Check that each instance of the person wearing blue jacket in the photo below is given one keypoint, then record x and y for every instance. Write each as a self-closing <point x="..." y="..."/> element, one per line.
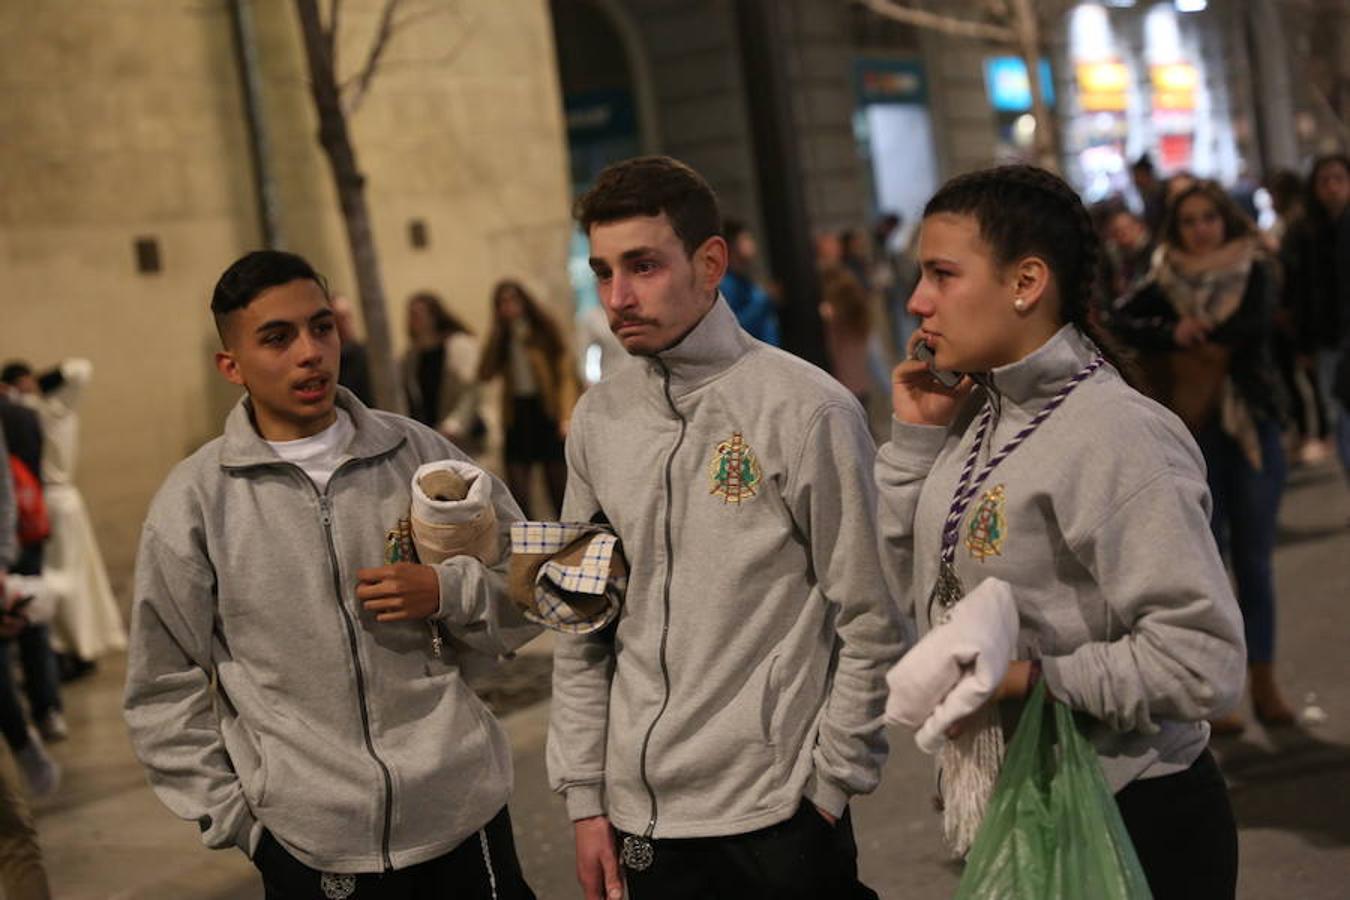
<point x="753" y="306"/>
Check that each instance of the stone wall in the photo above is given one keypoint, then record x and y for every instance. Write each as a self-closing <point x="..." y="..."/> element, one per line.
<point x="125" y="120"/>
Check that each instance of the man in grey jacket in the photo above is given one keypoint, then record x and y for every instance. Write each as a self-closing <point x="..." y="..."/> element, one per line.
<point x="284" y="688"/>
<point x="725" y="721"/>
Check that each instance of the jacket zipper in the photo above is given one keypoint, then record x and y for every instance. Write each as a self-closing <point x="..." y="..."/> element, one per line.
<point x="326" y="517"/>
<point x="665" y="599"/>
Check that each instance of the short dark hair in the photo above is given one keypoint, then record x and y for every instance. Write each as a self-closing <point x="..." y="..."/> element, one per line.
<point x="649" y="186"/>
<point x="1144" y="164"/>
<point x="14" y="370"/>
<point x="251" y="274"/>
<point x="1285" y="187"/>
<point x="733" y="228"/>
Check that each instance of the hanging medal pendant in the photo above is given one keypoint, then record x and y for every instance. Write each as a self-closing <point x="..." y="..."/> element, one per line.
<point x="946" y="593"/>
<point x="637" y="853"/>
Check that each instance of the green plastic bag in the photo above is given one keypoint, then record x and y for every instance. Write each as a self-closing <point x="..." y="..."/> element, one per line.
<point x="1052" y="830"/>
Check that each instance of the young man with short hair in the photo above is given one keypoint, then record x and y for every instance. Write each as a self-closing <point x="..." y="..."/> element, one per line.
<point x="283" y="687"/>
<point x="723" y="724"/>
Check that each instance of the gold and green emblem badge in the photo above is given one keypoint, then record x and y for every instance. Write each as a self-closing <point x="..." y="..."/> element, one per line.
<point x="734" y="471"/>
<point x="988" y="525"/>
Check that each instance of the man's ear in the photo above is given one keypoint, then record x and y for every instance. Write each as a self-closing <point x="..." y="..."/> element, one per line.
<point x="228" y="366"/>
<point x="710" y="262"/>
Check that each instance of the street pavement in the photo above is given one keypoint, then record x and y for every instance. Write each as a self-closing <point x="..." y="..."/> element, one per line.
<point x="105" y="835"/>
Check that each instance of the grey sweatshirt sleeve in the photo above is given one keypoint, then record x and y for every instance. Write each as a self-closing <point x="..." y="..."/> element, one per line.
<point x="168" y="703"/>
<point x="902" y="468"/>
<point x="833" y="502"/>
<point x="9" y="537"/>
<point x="583" y="665"/>
<point x="1182" y="653"/>
<point x="474" y="601"/>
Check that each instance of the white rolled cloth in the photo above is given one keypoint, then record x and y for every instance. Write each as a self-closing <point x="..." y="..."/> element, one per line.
<point x="445" y="528"/>
<point x="957" y="666"/>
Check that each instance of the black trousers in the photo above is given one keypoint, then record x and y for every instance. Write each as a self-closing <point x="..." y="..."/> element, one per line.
<point x="804" y="858"/>
<point x="483" y="867"/>
<point x="1183" y="829"/>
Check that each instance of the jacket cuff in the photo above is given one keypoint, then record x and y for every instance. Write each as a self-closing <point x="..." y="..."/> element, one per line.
<point x="1052" y="673"/>
<point x="915" y="447"/>
<point x="231" y="825"/>
<point x="826" y="794"/>
<point x="585" y="801"/>
<point x="450" y="575"/>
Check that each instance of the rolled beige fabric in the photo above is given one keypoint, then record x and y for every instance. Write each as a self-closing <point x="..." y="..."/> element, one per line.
<point x="452" y="513"/>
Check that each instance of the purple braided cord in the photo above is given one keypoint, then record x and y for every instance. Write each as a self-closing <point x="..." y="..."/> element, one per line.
<point x="968" y="487"/>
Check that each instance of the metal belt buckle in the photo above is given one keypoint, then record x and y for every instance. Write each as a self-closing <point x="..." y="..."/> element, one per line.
<point x="637" y="853"/>
<point x="337" y="886"/>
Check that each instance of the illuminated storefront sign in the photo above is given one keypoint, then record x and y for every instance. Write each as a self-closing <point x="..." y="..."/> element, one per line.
<point x="1103" y="86"/>
<point x="1009" y="88"/>
<point x="1174" y="86"/>
<point x="890" y="81"/>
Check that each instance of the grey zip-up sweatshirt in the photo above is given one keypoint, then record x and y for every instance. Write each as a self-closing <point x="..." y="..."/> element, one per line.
<point x="747" y="667"/>
<point x="1100" y="522"/>
<point x="347" y="738"/>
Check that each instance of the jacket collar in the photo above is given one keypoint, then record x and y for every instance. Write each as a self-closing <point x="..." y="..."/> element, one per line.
<point x="1037" y="377"/>
<point x="714" y="345"/>
<point x="243" y="446"/>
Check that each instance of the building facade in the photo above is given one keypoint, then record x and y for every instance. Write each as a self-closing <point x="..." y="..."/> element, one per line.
<point x="129" y="187"/>
<point x="131" y="180"/>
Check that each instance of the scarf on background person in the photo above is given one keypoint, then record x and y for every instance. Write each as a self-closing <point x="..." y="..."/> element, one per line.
<point x="1210" y="287"/>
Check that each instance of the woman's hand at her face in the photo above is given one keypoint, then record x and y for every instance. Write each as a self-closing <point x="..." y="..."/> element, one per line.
<point x="918" y="398"/>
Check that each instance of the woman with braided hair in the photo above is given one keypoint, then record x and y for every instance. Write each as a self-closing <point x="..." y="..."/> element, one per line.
<point x="1044" y="469"/>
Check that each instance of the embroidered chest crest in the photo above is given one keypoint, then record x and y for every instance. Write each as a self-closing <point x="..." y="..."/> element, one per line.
<point x="988" y="525"/>
<point x="734" y="471"/>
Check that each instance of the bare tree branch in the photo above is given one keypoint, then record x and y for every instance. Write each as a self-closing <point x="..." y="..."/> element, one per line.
<point x="383" y="33"/>
<point x="441" y="59"/>
<point x="336" y="141"/>
<point x="410" y="18"/>
<point x="333" y="15"/>
<point x="947" y="24"/>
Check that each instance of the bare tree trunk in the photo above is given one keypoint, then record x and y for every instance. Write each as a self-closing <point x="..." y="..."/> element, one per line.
<point x="351" y="189"/>
<point x="1029" y="43"/>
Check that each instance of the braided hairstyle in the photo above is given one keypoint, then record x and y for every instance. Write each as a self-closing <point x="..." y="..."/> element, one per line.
<point x="1026" y="211"/>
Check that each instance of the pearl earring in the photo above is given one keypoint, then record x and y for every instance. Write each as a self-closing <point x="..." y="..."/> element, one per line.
<point x="1019" y="304"/>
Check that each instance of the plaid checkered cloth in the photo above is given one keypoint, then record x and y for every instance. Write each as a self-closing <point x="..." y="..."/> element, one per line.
<point x="567" y="576"/>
